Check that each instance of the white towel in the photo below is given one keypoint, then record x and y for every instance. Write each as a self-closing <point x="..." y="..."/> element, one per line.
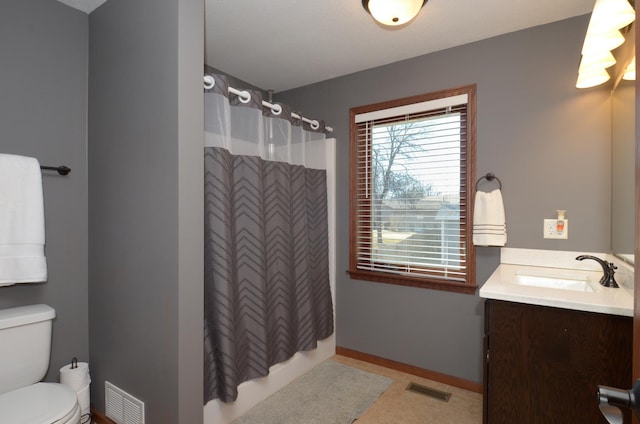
<point x="489" y="224"/>
<point x="22" y="233"/>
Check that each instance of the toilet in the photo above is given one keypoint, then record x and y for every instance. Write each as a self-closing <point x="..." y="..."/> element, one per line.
<point x="25" y="346"/>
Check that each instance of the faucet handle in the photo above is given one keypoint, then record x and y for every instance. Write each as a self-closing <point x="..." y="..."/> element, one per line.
<point x="608" y="280"/>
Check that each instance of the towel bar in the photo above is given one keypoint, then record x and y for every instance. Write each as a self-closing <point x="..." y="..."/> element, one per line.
<point x="489" y="176"/>
<point x="62" y="170"/>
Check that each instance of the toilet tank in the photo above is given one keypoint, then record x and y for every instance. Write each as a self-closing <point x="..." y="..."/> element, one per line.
<point x="25" y="345"/>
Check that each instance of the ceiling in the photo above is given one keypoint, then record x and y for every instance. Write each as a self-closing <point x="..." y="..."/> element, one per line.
<point x="86" y="6"/>
<point x="284" y="44"/>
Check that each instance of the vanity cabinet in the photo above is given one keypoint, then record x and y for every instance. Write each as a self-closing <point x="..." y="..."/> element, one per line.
<point x="543" y="364"/>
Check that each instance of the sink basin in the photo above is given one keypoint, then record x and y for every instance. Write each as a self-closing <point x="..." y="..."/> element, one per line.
<point x="554" y="280"/>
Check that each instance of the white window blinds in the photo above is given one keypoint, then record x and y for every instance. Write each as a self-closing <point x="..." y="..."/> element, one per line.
<point x="409" y="190"/>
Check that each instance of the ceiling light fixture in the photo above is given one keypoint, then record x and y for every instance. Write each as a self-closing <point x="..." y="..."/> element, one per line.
<point x="393" y="12"/>
<point x="603" y="35"/>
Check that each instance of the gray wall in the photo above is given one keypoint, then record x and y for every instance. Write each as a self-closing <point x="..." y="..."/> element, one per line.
<point x="548" y="142"/>
<point x="141" y="302"/>
<point x="43" y="114"/>
<point x="145" y="204"/>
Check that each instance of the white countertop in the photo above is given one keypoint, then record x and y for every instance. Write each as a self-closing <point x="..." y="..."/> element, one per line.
<point x="502" y="284"/>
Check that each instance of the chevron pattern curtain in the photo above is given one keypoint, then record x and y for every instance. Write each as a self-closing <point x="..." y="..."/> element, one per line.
<point x="267" y="291"/>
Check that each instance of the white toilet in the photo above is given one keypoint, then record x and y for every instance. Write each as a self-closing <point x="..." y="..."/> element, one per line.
<point x="25" y="346"/>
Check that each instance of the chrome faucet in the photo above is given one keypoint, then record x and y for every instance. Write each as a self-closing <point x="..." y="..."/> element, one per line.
<point x="608" y="269"/>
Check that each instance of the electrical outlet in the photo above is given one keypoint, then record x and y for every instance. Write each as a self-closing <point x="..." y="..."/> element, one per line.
<point x="550" y="229"/>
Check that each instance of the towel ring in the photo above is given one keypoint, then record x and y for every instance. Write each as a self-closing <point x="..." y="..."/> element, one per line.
<point x="489" y="176"/>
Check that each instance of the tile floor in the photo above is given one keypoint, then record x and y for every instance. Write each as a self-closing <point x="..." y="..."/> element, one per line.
<point x="399" y="406"/>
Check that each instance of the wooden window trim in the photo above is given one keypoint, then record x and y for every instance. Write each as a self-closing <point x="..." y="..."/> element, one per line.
<point x="467" y="287"/>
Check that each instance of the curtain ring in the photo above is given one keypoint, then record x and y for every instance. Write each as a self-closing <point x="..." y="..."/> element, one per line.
<point x="209" y="82"/>
<point x="245" y="97"/>
<point x="276" y="109"/>
<point x="314" y="124"/>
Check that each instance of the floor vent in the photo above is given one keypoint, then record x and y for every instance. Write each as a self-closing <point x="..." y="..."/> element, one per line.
<point x="121" y="407"/>
<point x="428" y="391"/>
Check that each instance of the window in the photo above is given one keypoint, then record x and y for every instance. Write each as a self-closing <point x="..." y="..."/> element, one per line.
<point x="412" y="182"/>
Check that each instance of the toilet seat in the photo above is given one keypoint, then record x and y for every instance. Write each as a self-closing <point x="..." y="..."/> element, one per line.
<point x="40" y="403"/>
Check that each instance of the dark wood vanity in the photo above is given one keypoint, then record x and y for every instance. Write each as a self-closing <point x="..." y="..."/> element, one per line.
<point x="543" y="364"/>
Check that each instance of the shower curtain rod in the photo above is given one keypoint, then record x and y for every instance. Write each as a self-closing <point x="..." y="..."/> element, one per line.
<point x="245" y="97"/>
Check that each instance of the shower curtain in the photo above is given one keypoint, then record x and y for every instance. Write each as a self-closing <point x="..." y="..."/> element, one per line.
<point x="267" y="293"/>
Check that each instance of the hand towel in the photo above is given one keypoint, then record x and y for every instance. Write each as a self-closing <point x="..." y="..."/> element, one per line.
<point x="489" y="224"/>
<point x="22" y="233"/>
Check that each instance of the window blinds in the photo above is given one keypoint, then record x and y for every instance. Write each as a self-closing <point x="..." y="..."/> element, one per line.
<point x="411" y="194"/>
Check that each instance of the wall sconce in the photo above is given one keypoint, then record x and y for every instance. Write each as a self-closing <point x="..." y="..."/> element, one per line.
<point x="603" y="35"/>
<point x="393" y="12"/>
<point x="630" y="72"/>
<point x="593" y="78"/>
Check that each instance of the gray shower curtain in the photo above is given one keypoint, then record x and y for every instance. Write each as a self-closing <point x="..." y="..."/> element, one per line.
<point x="267" y="292"/>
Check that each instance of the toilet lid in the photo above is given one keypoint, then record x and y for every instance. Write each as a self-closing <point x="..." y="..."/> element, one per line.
<point x="37" y="404"/>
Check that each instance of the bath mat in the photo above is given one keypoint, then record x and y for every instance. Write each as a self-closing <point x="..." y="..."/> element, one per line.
<point x="331" y="393"/>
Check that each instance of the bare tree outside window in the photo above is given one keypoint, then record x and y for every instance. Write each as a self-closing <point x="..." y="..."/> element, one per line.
<point x="392" y="147"/>
<point x="409" y="213"/>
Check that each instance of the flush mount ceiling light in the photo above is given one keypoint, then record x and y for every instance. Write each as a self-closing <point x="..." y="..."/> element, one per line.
<point x="393" y="12"/>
